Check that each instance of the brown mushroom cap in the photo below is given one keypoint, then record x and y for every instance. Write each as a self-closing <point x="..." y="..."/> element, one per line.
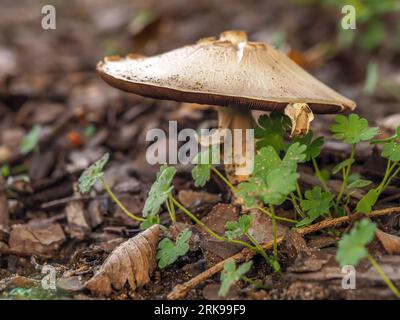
<point x="227" y="72"/>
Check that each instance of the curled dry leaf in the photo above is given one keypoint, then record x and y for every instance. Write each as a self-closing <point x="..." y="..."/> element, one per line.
<point x="389" y="242"/>
<point x="132" y="262"/>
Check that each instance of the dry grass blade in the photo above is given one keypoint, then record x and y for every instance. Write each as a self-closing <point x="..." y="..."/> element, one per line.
<point x="131" y="262"/>
<point x="181" y="290"/>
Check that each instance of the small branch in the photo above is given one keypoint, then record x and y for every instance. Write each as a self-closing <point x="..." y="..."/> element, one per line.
<point x="181" y="290"/>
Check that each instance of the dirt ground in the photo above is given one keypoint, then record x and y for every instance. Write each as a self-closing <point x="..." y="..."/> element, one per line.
<point x="48" y="78"/>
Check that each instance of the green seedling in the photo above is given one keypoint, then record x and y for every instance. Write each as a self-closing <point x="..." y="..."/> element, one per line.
<point x="350" y="130"/>
<point x="31" y="140"/>
<point x="317" y="203"/>
<point x="95" y="173"/>
<point x="353" y="248"/>
<point x="230" y="275"/>
<point x="235" y="230"/>
<point x="168" y="252"/>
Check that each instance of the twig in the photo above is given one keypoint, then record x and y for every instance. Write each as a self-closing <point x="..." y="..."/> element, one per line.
<point x="181" y="290"/>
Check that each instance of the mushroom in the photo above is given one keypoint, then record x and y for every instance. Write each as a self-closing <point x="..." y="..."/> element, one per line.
<point x="230" y="72"/>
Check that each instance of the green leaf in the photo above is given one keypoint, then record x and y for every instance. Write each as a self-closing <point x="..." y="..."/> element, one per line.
<point x="352" y="246"/>
<point x="201" y="172"/>
<point x="168" y="252"/>
<point x="372" y="78"/>
<point x="149" y="221"/>
<point x="31" y="140"/>
<point x="271" y="131"/>
<point x="250" y="190"/>
<point x="230" y="275"/>
<point x="342" y="165"/>
<point x="159" y="191"/>
<point x="236" y="229"/>
<point x="367" y="202"/>
<point x="280" y="183"/>
<point x="391" y="150"/>
<point x="313" y="147"/>
<point x="316" y="204"/>
<point x="90" y="176"/>
<point x="359" y="183"/>
<point x="352" y="129"/>
<point x="5" y="171"/>
<point x="295" y="154"/>
<point x="266" y="160"/>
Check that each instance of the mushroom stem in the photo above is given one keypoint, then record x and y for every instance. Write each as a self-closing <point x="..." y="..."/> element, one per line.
<point x="238" y="152"/>
<point x="301" y="116"/>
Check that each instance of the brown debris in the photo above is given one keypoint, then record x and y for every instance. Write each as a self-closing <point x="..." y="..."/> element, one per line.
<point x="191" y="198"/>
<point x="40" y="238"/>
<point x="131" y="262"/>
<point x="390" y="243"/>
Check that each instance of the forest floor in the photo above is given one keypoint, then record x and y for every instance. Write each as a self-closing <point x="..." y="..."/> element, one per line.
<point x="48" y="78"/>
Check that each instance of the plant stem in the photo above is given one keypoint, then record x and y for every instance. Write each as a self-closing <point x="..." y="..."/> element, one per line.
<point x="207" y="229"/>
<point x="319" y="176"/>
<point x="112" y="195"/>
<point x="171" y="208"/>
<point x="219" y="174"/>
<point x="388" y="177"/>
<point x="259" y="248"/>
<point x="346" y="174"/>
<point x="276" y="217"/>
<point x="296" y="205"/>
<point x="384" y="277"/>
<point x="298" y="189"/>
<point x="274" y="231"/>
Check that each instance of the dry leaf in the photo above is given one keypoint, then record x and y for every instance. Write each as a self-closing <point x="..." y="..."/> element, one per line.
<point x="132" y="262"/>
<point x="41" y="238"/>
<point x="389" y="242"/>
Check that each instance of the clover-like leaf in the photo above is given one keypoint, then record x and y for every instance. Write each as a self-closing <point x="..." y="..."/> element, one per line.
<point x="204" y="160"/>
<point x="230" y="275"/>
<point x="352" y="129"/>
<point x="271" y="131"/>
<point x="295" y="154"/>
<point x="266" y="160"/>
<point x="352" y="246"/>
<point x="159" y="191"/>
<point x="90" y="176"/>
<point x="168" y="252"/>
<point x="250" y="190"/>
<point x="367" y="202"/>
<point x="30" y="140"/>
<point x="317" y="203"/>
<point x="391" y="151"/>
<point x="280" y="183"/>
<point x="313" y="147"/>
<point x="236" y="229"/>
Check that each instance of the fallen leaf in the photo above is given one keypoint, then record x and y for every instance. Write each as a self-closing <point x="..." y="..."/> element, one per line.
<point x="389" y="242"/>
<point x="132" y="261"/>
<point x="41" y="238"/>
<point x="192" y="198"/>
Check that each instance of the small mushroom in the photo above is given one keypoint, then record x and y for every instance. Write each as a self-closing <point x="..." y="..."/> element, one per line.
<point x="231" y="72"/>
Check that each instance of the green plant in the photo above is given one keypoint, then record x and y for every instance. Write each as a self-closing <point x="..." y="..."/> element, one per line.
<point x="230" y="275"/>
<point x="350" y="130"/>
<point x="353" y="248"/>
<point x="317" y="203"/>
<point x="238" y="229"/>
<point x="95" y="173"/>
<point x="168" y="252"/>
<point x="30" y="140"/>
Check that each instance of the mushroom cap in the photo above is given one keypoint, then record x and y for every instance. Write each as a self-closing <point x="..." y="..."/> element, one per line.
<point x="229" y="71"/>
